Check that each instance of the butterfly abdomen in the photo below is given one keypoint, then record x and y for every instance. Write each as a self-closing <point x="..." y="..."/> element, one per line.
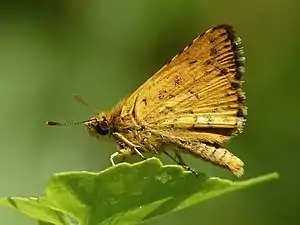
<point x="216" y="155"/>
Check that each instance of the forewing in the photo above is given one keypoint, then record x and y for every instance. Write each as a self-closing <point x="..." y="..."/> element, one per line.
<point x="198" y="89"/>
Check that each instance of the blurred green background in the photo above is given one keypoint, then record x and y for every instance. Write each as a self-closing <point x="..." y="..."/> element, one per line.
<point x="103" y="50"/>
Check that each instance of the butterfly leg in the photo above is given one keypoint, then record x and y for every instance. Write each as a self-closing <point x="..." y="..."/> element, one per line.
<point x="139" y="153"/>
<point x="121" y="152"/>
<point x="121" y="149"/>
<point x="112" y="156"/>
<point x="124" y="153"/>
<point x="179" y="157"/>
<point x="179" y="160"/>
<point x="125" y="142"/>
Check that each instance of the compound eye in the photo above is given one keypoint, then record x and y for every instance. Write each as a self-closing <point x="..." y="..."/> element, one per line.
<point x="102" y="127"/>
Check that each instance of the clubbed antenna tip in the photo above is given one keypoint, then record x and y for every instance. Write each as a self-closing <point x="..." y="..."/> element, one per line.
<point x="52" y="123"/>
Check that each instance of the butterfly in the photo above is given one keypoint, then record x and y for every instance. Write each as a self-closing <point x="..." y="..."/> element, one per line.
<point x="192" y="105"/>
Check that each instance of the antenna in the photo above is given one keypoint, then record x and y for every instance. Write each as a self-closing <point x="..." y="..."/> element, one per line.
<point x="53" y="123"/>
<point x="76" y="97"/>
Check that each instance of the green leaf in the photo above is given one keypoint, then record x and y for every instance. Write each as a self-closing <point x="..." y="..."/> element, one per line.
<point x="124" y="194"/>
<point x="35" y="208"/>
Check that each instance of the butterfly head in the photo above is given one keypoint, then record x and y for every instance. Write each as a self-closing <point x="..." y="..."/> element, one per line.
<point x="98" y="126"/>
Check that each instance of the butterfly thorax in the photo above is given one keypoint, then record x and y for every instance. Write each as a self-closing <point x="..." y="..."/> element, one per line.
<point x="125" y="129"/>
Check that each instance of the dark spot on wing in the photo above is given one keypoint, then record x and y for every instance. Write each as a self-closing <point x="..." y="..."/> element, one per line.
<point x="193" y="62"/>
<point x="162" y="94"/>
<point x="193" y="93"/>
<point x="145" y="101"/>
<point x="215" y="110"/>
<point x="230" y="93"/>
<point x="222" y="131"/>
<point x="167" y="110"/>
<point x="208" y="62"/>
<point x="241" y="96"/>
<point x="240" y="112"/>
<point x="212" y="40"/>
<point x="235" y="84"/>
<point x="177" y="80"/>
<point x="227" y="46"/>
<point x="213" y="52"/>
<point x="231" y="107"/>
<point x="224" y="71"/>
<point x="223" y="34"/>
